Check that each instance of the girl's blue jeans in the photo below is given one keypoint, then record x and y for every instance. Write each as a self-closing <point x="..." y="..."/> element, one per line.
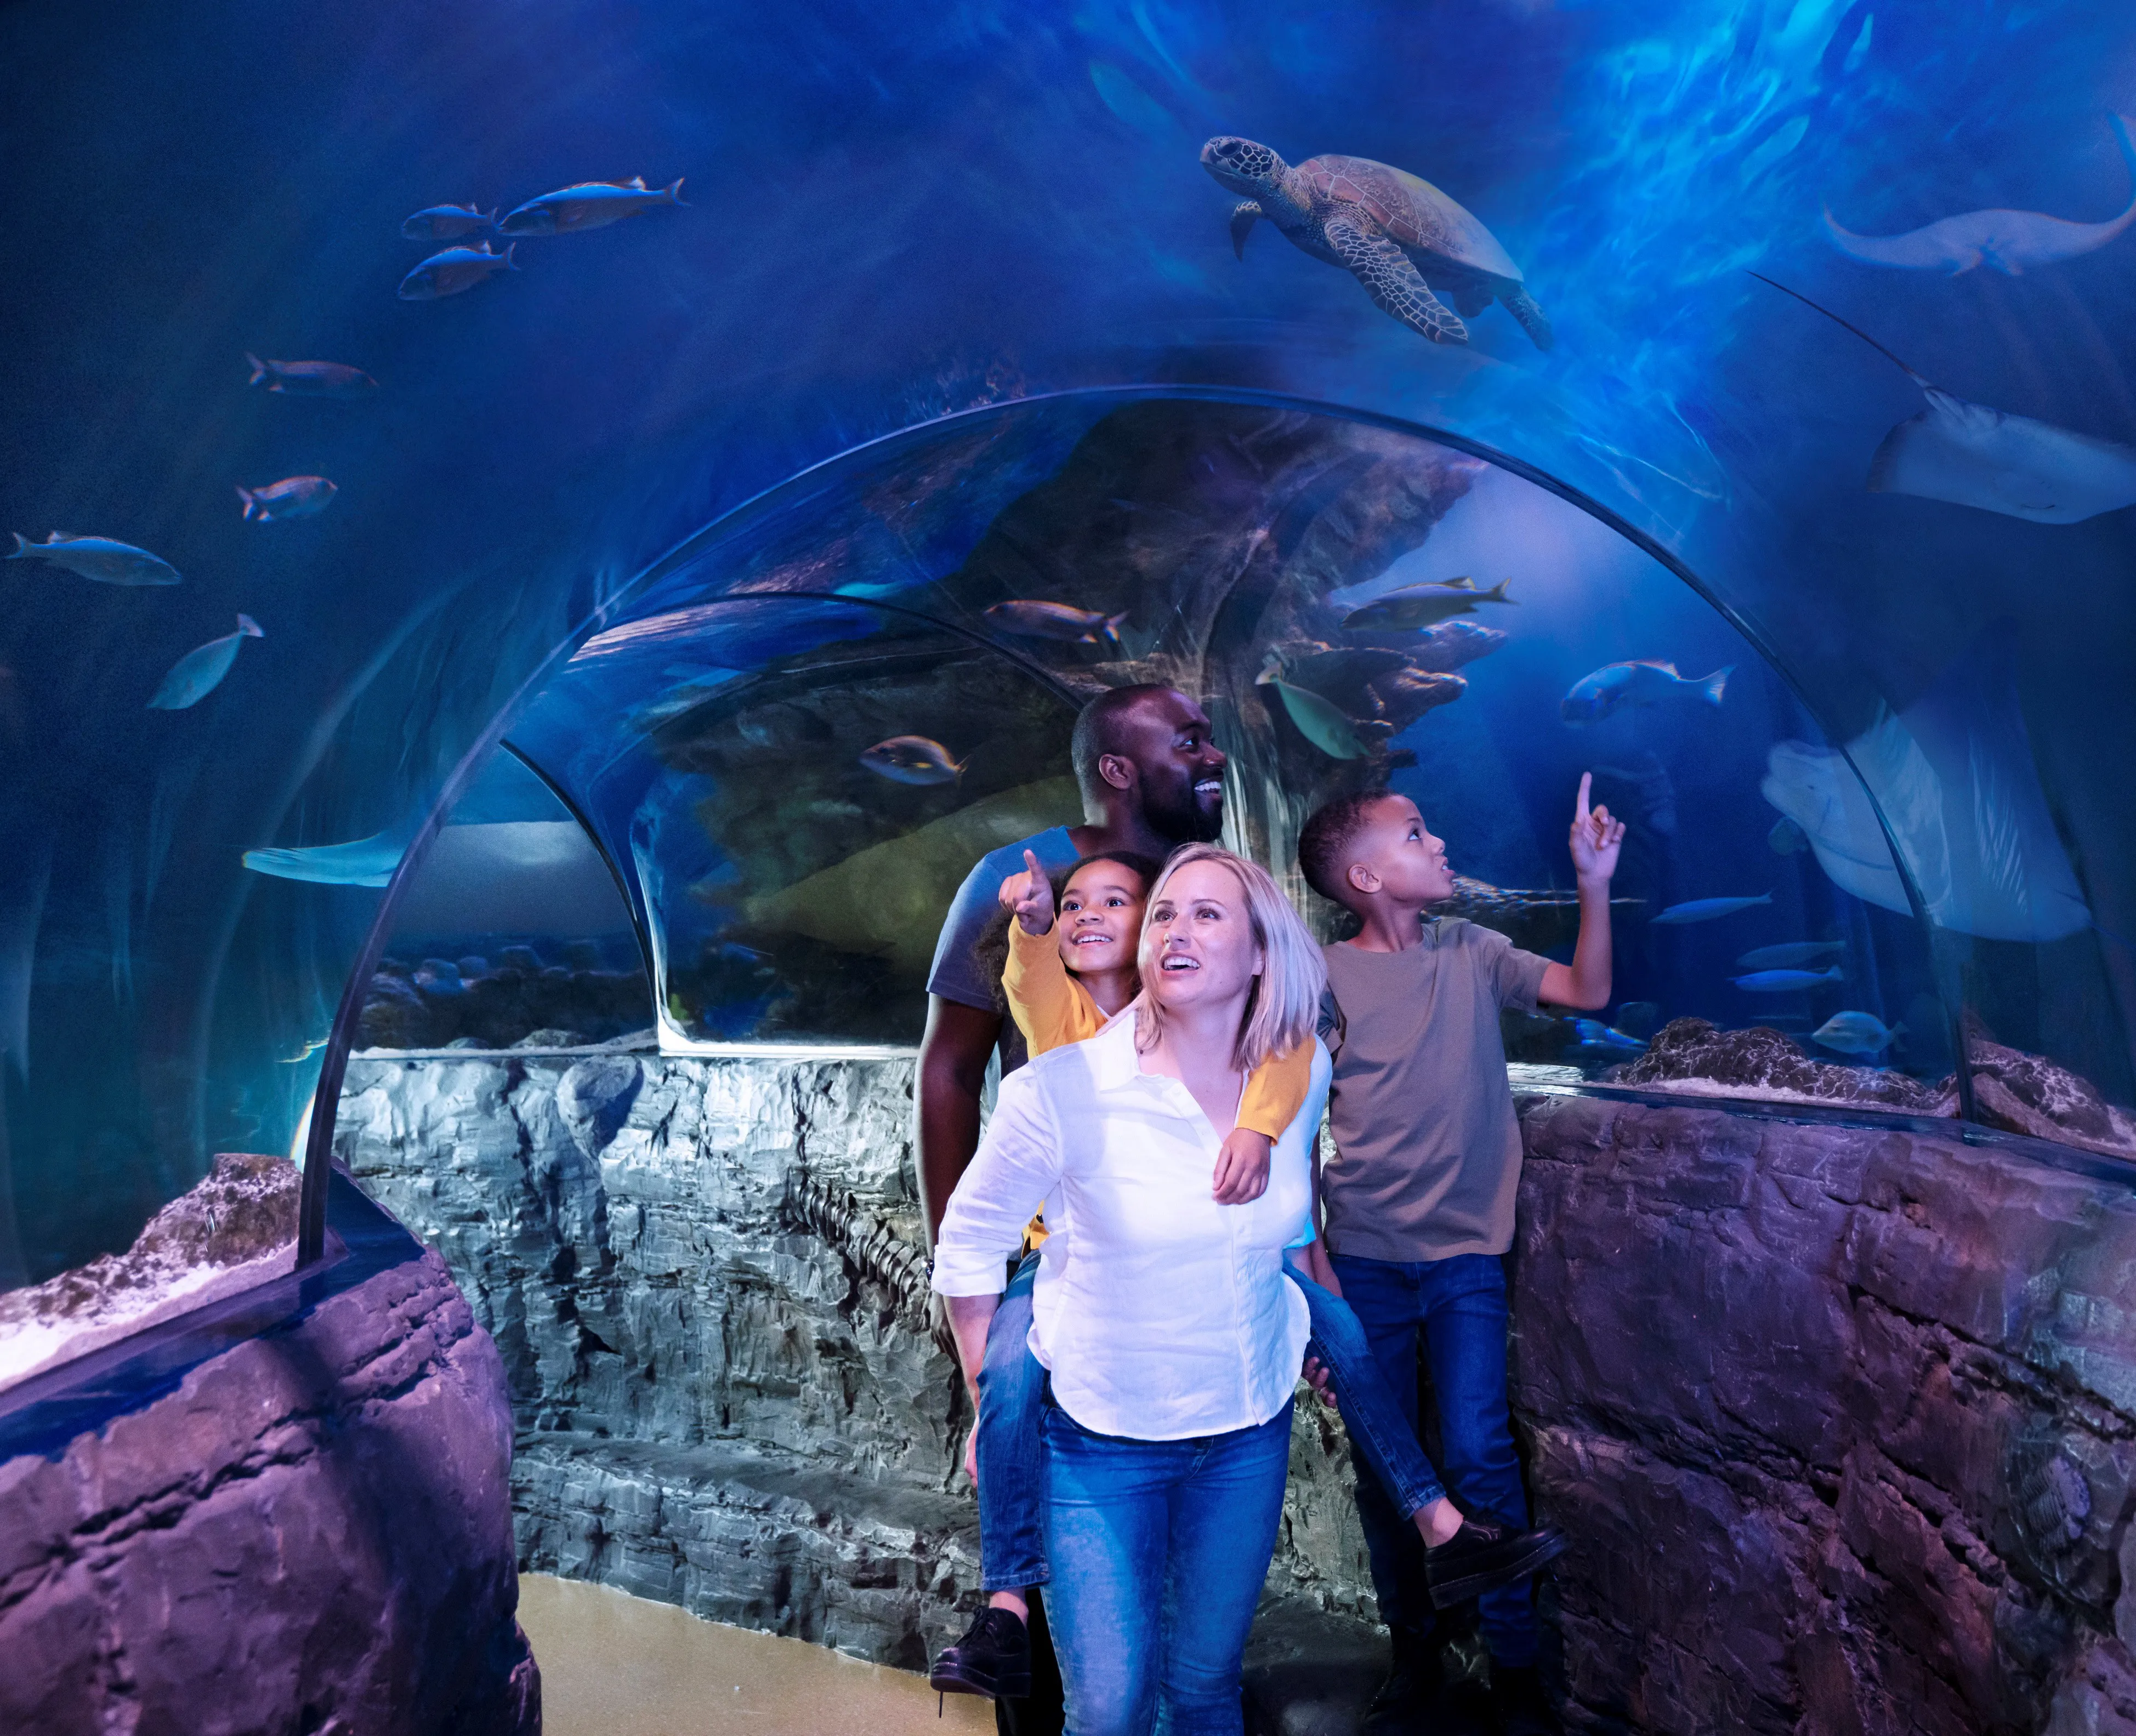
<point x="1160" y="1549"/>
<point x="1012" y="1383"/>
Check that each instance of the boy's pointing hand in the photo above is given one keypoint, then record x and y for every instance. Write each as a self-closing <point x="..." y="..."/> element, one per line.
<point x="1030" y="895"/>
<point x="1595" y="837"/>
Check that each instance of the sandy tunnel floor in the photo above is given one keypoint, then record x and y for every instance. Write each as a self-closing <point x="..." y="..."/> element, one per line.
<point x="613" y="1665"/>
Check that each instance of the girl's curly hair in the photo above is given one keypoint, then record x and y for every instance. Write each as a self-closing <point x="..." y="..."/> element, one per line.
<point x="991" y="948"/>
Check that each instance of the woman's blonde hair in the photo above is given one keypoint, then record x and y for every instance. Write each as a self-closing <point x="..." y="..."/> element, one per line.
<point x="1283" y="1007"/>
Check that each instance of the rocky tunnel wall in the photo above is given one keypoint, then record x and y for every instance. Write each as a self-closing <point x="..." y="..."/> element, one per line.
<point x="1843" y="1422"/>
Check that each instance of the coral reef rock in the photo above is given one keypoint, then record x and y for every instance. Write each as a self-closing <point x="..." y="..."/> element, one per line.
<point x="310" y="1533"/>
<point x="224" y="1232"/>
<point x="1760" y="1062"/>
<point x="1842" y="1421"/>
<point x="2028" y="1093"/>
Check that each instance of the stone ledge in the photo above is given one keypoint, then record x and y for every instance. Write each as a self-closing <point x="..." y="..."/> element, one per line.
<point x="737" y="1533"/>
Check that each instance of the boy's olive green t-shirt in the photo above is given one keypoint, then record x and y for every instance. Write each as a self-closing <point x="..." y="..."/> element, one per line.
<point x="1427" y="1155"/>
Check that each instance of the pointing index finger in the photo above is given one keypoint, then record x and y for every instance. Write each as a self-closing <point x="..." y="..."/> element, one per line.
<point x="1579" y="803"/>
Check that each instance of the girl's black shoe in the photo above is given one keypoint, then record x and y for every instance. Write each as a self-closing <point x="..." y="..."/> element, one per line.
<point x="1482" y="1557"/>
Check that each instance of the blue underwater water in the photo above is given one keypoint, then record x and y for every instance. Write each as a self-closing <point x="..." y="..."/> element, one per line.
<point x="996" y="215"/>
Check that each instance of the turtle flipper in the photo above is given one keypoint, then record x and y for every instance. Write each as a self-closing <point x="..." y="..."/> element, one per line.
<point x="1243" y="214"/>
<point x="1391" y="281"/>
<point x="1521" y="306"/>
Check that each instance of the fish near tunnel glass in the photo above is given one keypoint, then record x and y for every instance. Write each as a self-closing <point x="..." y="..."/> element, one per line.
<point x="799" y="782"/>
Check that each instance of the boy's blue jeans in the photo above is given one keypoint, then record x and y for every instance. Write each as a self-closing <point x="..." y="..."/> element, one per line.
<point x="1012" y="1509"/>
<point x="1458" y="1305"/>
<point x="1162" y="1547"/>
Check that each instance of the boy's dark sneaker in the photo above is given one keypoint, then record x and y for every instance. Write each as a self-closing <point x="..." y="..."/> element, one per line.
<point x="1483" y="1556"/>
<point x="993" y="1659"/>
<point x="1405" y="1702"/>
<point x="1523" y="1709"/>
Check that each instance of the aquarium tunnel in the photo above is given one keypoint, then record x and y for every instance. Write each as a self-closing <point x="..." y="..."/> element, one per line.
<point x="497" y="702"/>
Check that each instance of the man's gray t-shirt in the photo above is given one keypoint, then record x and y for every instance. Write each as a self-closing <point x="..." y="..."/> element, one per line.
<point x="956" y="975"/>
<point x="1427" y="1150"/>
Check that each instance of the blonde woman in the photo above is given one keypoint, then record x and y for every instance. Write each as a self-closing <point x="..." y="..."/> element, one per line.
<point x="1171" y="1338"/>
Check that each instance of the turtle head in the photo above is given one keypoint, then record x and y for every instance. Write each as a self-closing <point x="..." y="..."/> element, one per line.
<point x="1243" y="166"/>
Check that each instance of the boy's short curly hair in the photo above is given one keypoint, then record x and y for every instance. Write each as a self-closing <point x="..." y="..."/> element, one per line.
<point x="1323" y="846"/>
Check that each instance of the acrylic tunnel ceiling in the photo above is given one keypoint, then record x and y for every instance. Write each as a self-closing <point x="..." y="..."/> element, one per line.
<point x="889" y="219"/>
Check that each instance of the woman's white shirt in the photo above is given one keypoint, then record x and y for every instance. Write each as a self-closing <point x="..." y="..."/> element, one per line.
<point x="1161" y="1314"/>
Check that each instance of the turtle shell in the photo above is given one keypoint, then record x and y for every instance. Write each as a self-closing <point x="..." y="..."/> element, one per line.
<point x="1413" y="211"/>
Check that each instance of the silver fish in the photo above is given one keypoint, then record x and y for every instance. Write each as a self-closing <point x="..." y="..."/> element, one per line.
<point x="454" y="272"/>
<point x="199" y="672"/>
<point x="1790" y="954"/>
<point x="1855" y="1033"/>
<point x="2007" y="240"/>
<point x="1033" y="619"/>
<point x="1422" y="605"/>
<point x="1705" y="910"/>
<point x="1320" y="721"/>
<point x="1640" y="682"/>
<point x="913" y="759"/>
<point x="447" y="222"/>
<point x="310" y="379"/>
<point x="294" y="497"/>
<point x="589" y="205"/>
<point x="1783" y="983"/>
<point x="100" y="558"/>
<point x="1973" y="456"/>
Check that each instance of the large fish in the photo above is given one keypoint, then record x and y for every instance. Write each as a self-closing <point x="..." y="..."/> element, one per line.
<point x="590" y="205"/>
<point x="454" y="272"/>
<point x="1973" y="456"/>
<point x="1031" y="618"/>
<point x="2007" y="240"/>
<point x="1642" y="682"/>
<point x="447" y="222"/>
<point x="310" y="379"/>
<point x="360" y="862"/>
<point x="1855" y="1033"/>
<point x="1319" y="720"/>
<point x="1783" y="982"/>
<point x="1423" y="605"/>
<point x="913" y="759"/>
<point x="294" y="497"/>
<point x="198" y="673"/>
<point x="100" y="558"/>
<point x="1955" y="778"/>
<point x="1706" y="909"/>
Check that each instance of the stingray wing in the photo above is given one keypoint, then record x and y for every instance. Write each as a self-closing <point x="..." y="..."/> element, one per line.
<point x="1972" y="455"/>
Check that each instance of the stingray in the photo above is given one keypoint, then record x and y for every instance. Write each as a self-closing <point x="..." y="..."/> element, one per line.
<point x="1953" y="775"/>
<point x="2008" y="240"/>
<point x="1973" y="456"/>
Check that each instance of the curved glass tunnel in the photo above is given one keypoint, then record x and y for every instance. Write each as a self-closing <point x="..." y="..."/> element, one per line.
<point x="714" y="735"/>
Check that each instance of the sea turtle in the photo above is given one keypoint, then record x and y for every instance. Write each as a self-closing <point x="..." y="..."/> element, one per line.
<point x="1397" y="235"/>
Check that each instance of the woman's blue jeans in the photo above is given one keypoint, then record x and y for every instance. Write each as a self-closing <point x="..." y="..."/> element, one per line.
<point x="1011" y="1515"/>
<point x="1159" y="1550"/>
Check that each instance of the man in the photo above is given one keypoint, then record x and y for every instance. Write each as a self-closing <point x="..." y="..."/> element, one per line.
<point x="1152" y="779"/>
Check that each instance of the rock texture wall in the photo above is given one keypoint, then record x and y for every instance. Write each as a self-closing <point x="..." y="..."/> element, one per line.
<point x="309" y="1535"/>
<point x="1843" y="1424"/>
<point x="701" y="1274"/>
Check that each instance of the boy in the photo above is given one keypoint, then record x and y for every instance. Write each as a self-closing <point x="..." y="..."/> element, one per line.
<point x="1420" y="1193"/>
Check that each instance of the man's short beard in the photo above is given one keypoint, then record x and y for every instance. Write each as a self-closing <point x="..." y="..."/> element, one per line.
<point x="1182" y="818"/>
